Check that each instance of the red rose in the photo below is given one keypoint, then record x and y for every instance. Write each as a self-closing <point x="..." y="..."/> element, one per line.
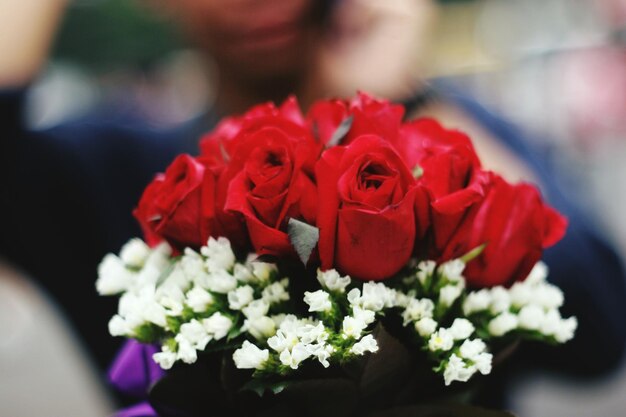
<point x="369" y="116"/>
<point x="515" y="225"/>
<point x="366" y="212"/>
<point x="178" y="206"/>
<point x="266" y="183"/>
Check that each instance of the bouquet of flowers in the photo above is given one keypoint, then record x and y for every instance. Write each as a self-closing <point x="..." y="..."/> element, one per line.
<point x="341" y="262"/>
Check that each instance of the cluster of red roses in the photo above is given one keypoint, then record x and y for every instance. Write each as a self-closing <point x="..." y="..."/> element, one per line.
<point x="379" y="190"/>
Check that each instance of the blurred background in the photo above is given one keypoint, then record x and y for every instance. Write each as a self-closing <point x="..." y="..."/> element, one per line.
<point x="554" y="68"/>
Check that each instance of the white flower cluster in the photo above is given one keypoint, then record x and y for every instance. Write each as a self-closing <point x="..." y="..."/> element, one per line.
<point x="189" y="302"/>
<point x="199" y="298"/>
<point x="528" y="306"/>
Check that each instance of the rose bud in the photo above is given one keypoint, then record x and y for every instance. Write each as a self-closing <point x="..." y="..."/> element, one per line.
<point x="366" y="212"/>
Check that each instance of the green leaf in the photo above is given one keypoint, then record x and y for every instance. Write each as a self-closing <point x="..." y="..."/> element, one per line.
<point x="303" y="238"/>
<point x="261" y="386"/>
<point x="474" y="253"/>
<point x="341" y="131"/>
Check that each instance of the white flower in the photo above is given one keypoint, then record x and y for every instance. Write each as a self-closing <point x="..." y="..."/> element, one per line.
<point x="530" y="317"/>
<point x="322" y="352"/>
<point x="257" y="308"/>
<point x="165" y="358"/>
<point x="220" y="281"/>
<point x="186" y="351"/>
<point x="332" y="281"/>
<point x="441" y="340"/>
<point x="113" y="277"/>
<point x="566" y="330"/>
<point x="476" y="301"/>
<point x="366" y="316"/>
<point x="502" y="324"/>
<point x="449" y="294"/>
<point x="275" y="292"/>
<point x="483" y="362"/>
<point x="218" y="325"/>
<point x="262" y="270"/>
<point x="366" y="344"/>
<point x="178" y="278"/>
<point x="426" y="326"/>
<point x="293" y="357"/>
<point x="260" y="327"/>
<point x="310" y="333"/>
<point x="538" y="274"/>
<point x="318" y="301"/>
<point x="500" y="300"/>
<point x="425" y="269"/>
<point x="249" y="356"/>
<point x="453" y="270"/>
<point x="461" y="329"/>
<point x="198" y="299"/>
<point x="418" y="309"/>
<point x="119" y="327"/>
<point x="353" y="327"/>
<point x="219" y="254"/>
<point x="457" y="370"/>
<point x="402" y="299"/>
<point x="195" y="333"/>
<point x="470" y="349"/>
<point x="376" y="296"/>
<point x="548" y="296"/>
<point x="240" y="297"/>
<point x="550" y="323"/>
<point x="354" y="296"/>
<point x="282" y="340"/>
<point x="521" y="294"/>
<point x="135" y="253"/>
<point x="243" y="274"/>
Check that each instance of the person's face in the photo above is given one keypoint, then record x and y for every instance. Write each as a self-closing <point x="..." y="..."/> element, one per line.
<point x="253" y="38"/>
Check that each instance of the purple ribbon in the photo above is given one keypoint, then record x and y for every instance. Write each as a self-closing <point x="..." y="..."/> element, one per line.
<point x="139" y="410"/>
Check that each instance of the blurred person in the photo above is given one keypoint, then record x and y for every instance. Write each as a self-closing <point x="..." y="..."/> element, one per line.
<point x="69" y="190"/>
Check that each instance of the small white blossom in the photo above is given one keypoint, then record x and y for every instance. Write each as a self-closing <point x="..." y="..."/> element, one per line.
<point x="376" y="296"/>
<point x="220" y="281"/>
<point x="477" y="301"/>
<point x="219" y="254"/>
<point x="119" y="327"/>
<point x="453" y="270"/>
<point x="483" y="362"/>
<point x="318" y="301"/>
<point x="218" y="325"/>
<point x="165" y="359"/>
<point x="260" y="328"/>
<point x="257" y="308"/>
<point x="530" y="317"/>
<point x="449" y="294"/>
<point x="354" y="296"/>
<point x="353" y="327"/>
<point x="249" y="356"/>
<point x="550" y="323"/>
<point x="366" y="316"/>
<point x="332" y="281"/>
<point x="186" y="351"/>
<point x="198" y="299"/>
<point x="262" y="270"/>
<point x="418" y="309"/>
<point x="538" y="274"/>
<point x="500" y="300"/>
<point x="426" y="326"/>
<point x="243" y="274"/>
<point x="135" y="253"/>
<point x="276" y="292"/>
<point x="310" y="333"/>
<point x="566" y="330"/>
<point x="322" y="352"/>
<point x="196" y="334"/>
<point x="470" y="349"/>
<point x="240" y="297"/>
<point x="461" y="329"/>
<point x="548" y="296"/>
<point x="366" y="344"/>
<point x="521" y="294"/>
<point x="402" y="300"/>
<point x="441" y="340"/>
<point x="502" y="324"/>
<point x="113" y="277"/>
<point x="457" y="370"/>
<point x="295" y="356"/>
<point x="282" y="340"/>
<point x="424" y="270"/>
